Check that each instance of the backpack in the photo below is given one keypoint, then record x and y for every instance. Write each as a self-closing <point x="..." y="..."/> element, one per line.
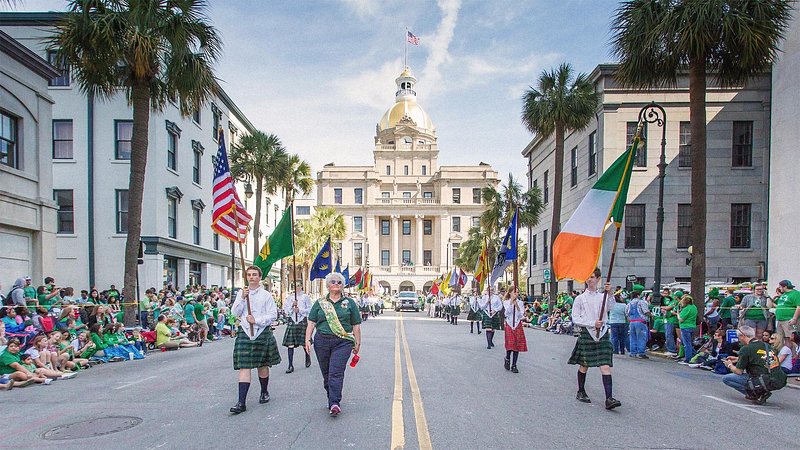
<point x="773" y="380"/>
<point x="8" y="300"/>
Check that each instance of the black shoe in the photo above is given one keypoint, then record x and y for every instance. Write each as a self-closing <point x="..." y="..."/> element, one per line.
<point x="507" y="364"/>
<point x="582" y="397"/>
<point x="761" y="399"/>
<point x="264" y="398"/>
<point x="239" y="408"/>
<point x="643" y="357"/>
<point x="514" y="369"/>
<point x="612" y="403"/>
<point x="290" y="369"/>
<point x="479" y="331"/>
<point x="308" y="361"/>
<point x="488" y="347"/>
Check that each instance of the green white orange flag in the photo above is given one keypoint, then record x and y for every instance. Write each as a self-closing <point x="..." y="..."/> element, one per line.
<point x="576" y="249"/>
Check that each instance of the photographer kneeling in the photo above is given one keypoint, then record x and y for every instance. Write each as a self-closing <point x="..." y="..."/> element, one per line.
<point x="749" y="368"/>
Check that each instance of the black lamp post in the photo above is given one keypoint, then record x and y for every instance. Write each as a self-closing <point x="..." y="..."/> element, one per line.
<point x="654" y="113"/>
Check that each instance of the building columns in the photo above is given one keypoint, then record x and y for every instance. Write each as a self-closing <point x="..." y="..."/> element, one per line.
<point x="418" y="259"/>
<point x="395" y="251"/>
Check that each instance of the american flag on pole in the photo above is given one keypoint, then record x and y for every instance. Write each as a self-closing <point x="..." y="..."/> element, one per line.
<point x="412" y="39"/>
<point x="228" y="213"/>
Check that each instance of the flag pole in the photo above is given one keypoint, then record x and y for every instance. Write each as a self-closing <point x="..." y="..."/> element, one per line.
<point x="244" y="268"/>
<point x="405" y="49"/>
<point x="516" y="260"/>
<point x="608" y="276"/>
<point x="294" y="257"/>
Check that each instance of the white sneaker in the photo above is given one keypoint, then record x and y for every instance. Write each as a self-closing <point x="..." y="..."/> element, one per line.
<point x="670" y="354"/>
<point x="68" y="376"/>
<point x="684" y="363"/>
<point x="694" y="366"/>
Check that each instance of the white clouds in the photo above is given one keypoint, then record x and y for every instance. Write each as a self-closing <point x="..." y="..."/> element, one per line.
<point x="373" y="87"/>
<point x="440" y="42"/>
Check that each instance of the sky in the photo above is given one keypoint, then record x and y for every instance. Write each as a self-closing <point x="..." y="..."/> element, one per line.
<point x="320" y="74"/>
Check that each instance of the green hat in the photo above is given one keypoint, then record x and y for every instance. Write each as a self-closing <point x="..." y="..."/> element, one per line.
<point x="678" y="293"/>
<point x="713" y="293"/>
<point x="637" y="288"/>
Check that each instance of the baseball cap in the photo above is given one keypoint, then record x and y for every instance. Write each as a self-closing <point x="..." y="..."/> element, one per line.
<point x="27" y="278"/>
<point x="787" y="284"/>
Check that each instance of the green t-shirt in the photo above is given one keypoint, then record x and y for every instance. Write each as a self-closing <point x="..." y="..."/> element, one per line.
<point x="144" y="303"/>
<point x="188" y="313"/>
<point x="751" y="358"/>
<point x="6" y="359"/>
<point x="198" y="312"/>
<point x="346" y="309"/>
<point x="671" y="315"/>
<point x="29" y="292"/>
<point x="689" y="315"/>
<point x="98" y="342"/>
<point x="725" y="307"/>
<point x="787" y="304"/>
<point x="44" y="302"/>
<point x="756" y="309"/>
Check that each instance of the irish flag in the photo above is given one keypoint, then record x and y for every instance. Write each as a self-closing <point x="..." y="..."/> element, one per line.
<point x="576" y="249"/>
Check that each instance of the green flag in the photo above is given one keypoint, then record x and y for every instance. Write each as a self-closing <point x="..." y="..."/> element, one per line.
<point x="279" y="245"/>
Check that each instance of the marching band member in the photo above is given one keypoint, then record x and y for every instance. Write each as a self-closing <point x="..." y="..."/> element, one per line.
<point x="474" y="314"/>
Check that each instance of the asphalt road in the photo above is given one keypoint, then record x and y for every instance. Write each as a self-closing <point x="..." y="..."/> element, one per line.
<point x="454" y="394"/>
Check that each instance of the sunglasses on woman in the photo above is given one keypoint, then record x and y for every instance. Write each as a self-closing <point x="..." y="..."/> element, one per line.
<point x="336" y="282"/>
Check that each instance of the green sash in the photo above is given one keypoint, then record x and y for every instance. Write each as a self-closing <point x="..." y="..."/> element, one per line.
<point x="333" y="320"/>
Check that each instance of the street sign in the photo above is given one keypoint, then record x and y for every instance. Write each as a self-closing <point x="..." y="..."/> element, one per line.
<point x="546" y="275"/>
<point x="631" y="278"/>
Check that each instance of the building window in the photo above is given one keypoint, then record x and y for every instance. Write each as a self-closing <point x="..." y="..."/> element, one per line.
<point x="684" y="225"/>
<point x="406" y="257"/>
<point x="456" y="196"/>
<point x="384" y="227"/>
<point x="172" y="150"/>
<point x="8" y="140"/>
<point x="546" y="194"/>
<point x="740" y="225"/>
<point x="196" y="225"/>
<point x="196" y="116"/>
<point x="172" y="217"/>
<point x="742" y="150"/>
<point x="407" y="195"/>
<point x="634" y="226"/>
<point x="545" y="247"/>
<point x="337" y="196"/>
<point x="66" y="211"/>
<point x="63" y="79"/>
<point x="217" y="121"/>
<point x="385" y="194"/>
<point x="573" y="176"/>
<point x="359" y="195"/>
<point x="476" y="196"/>
<point x="476" y="222"/>
<point x="427" y="257"/>
<point x="62" y="139"/>
<point x="427" y="227"/>
<point x="198" y="158"/>
<point x="641" y="149"/>
<point x="122" y="210"/>
<point x="592" y="153"/>
<point x="427" y="194"/>
<point x="123" y="133"/>
<point x="424" y="169"/>
<point x="457" y="224"/>
<point x="302" y="210"/>
<point x="405" y="170"/>
<point x="533" y="250"/>
<point x="358" y="253"/>
<point x="170" y="270"/>
<point x="685" y="145"/>
<point x="385" y="257"/>
<point x="388" y="170"/>
<point x="406" y="228"/>
<point x="358" y="224"/>
<point x="216" y="241"/>
<point x="195" y="273"/>
<point x="454" y="251"/>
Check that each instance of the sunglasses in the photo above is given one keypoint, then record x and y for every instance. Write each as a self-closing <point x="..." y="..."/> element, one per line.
<point x="336" y="282"/>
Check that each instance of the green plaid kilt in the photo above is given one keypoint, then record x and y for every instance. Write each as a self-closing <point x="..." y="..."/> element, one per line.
<point x="455" y="310"/>
<point x="447" y="309"/>
<point x="474" y="315"/>
<point x="260" y="352"/>
<point x="588" y="353"/>
<point x="295" y="335"/>
<point x="491" y="322"/>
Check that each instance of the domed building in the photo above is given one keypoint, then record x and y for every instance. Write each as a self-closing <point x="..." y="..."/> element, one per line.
<point x="406" y="216"/>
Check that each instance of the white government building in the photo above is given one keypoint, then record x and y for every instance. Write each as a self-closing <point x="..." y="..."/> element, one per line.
<point x="405" y="215"/>
<point x="86" y="146"/>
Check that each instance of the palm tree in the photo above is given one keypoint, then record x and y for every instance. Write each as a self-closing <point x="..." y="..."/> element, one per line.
<point x="559" y="103"/>
<point x="470" y="250"/>
<point x="296" y="179"/>
<point x="325" y="223"/>
<point x="259" y="157"/>
<point x="156" y="52"/>
<point x="734" y="41"/>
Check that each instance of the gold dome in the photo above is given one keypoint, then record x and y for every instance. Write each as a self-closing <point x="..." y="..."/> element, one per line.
<point x="406" y="108"/>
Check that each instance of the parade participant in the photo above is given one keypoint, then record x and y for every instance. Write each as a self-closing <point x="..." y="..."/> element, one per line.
<point x="474" y="315"/>
<point x="514" y="331"/>
<point x="491" y="304"/>
<point x="338" y="326"/>
<point x="455" y="308"/>
<point x="255" y="346"/>
<point x="593" y="348"/>
<point x="297" y="306"/>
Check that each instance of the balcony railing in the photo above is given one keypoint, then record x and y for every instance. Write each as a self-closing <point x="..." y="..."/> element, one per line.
<point x="409" y="270"/>
<point x="406" y="201"/>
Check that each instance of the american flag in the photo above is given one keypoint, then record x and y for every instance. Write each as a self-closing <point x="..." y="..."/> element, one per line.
<point x="228" y="210"/>
<point x="412" y="39"/>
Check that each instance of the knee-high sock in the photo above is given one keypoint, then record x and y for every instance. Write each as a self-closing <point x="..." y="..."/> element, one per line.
<point x="290" y="351"/>
<point x="581" y="381"/>
<point x="472" y="327"/>
<point x="514" y="356"/>
<point x="508" y="354"/>
<point x="243" y="388"/>
<point x="489" y="338"/>
<point x="607" y="385"/>
<point x="264" y="384"/>
<point x="479" y="325"/>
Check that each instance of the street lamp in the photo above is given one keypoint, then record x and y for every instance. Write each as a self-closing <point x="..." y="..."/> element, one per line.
<point x="248" y="190"/>
<point x="654" y="113"/>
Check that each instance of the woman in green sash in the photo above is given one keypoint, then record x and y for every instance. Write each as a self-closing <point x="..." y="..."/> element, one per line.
<point x="337" y="321"/>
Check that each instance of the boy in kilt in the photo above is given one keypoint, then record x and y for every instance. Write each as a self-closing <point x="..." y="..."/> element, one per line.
<point x="297" y="306"/>
<point x="491" y="311"/>
<point x="254" y="349"/>
<point x="474" y="314"/>
<point x="593" y="348"/>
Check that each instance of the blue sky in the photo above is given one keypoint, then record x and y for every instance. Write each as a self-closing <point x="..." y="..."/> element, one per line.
<point x="319" y="74"/>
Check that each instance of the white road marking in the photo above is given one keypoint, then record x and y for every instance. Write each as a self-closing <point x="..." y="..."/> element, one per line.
<point x="129" y="384"/>
<point x="745" y="407"/>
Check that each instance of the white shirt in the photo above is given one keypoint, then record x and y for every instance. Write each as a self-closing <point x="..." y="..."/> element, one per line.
<point x="474" y="304"/>
<point x="514" y="315"/>
<point x="491" y="307"/>
<point x="263" y="309"/>
<point x="586" y="309"/>
<point x="303" y="306"/>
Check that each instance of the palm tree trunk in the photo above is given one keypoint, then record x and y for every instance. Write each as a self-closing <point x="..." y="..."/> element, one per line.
<point x="555" y="225"/>
<point x="697" y="118"/>
<point x="140" y="99"/>
<point x="257" y="219"/>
